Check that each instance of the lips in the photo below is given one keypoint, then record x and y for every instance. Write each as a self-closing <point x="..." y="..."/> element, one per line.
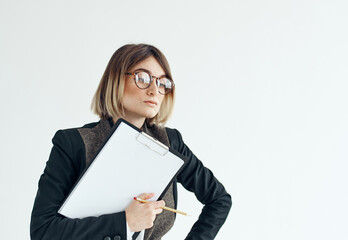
<point x="150" y="102"/>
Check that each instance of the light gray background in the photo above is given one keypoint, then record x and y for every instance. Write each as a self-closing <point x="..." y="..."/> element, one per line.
<point x="261" y="100"/>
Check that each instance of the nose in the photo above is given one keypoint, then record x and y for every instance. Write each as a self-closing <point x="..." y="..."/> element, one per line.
<point x="152" y="89"/>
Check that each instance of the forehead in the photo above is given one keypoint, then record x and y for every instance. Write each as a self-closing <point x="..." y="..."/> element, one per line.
<point x="150" y="64"/>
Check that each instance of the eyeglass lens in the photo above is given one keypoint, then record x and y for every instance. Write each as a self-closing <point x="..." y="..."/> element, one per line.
<point x="143" y="80"/>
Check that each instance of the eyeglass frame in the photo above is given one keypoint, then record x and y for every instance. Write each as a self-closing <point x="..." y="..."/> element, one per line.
<point x="151" y="79"/>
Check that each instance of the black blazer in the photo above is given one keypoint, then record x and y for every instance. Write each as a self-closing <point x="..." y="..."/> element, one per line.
<point x="67" y="162"/>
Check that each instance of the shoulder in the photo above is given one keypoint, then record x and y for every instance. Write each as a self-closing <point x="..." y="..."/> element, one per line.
<point x="72" y="133"/>
<point x="70" y="138"/>
<point x="175" y="138"/>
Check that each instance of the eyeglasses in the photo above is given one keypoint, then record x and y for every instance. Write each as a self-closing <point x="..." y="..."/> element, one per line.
<point x="143" y="80"/>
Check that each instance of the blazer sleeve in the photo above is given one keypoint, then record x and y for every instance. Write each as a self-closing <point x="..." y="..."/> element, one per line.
<point x="61" y="172"/>
<point x="208" y="190"/>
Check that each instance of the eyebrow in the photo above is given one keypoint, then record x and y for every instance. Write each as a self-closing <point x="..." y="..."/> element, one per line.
<point x="145" y="70"/>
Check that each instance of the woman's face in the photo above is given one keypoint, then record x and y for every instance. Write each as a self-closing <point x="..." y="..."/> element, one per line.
<point x="139" y="103"/>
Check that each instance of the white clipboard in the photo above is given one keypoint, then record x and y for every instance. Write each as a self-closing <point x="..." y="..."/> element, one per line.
<point x="129" y="163"/>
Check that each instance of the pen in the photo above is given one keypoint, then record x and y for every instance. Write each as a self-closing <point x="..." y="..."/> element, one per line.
<point x="164" y="208"/>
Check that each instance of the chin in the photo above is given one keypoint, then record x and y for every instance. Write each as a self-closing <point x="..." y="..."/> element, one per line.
<point x="150" y="115"/>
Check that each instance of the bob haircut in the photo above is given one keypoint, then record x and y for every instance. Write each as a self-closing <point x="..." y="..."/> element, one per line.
<point x="106" y="102"/>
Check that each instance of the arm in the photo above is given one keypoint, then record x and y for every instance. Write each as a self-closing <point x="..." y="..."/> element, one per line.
<point x="64" y="166"/>
<point x="208" y="190"/>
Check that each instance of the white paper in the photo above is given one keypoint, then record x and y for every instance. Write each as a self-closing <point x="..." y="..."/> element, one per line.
<point x="123" y="169"/>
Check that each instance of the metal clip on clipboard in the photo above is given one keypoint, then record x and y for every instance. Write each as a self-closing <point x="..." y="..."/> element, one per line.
<point x="152" y="143"/>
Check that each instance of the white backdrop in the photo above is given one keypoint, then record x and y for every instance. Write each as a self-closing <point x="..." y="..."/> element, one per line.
<point x="261" y="100"/>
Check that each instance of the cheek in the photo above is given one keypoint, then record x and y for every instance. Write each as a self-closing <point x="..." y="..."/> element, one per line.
<point x="130" y="90"/>
<point x="160" y="100"/>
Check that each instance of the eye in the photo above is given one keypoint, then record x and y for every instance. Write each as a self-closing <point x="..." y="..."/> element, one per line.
<point x="143" y="80"/>
<point x="165" y="83"/>
<point x="161" y="85"/>
<point x="143" y="77"/>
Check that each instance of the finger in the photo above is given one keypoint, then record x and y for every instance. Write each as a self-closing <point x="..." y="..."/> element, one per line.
<point x="146" y="196"/>
<point x="158" y="204"/>
<point x="158" y="210"/>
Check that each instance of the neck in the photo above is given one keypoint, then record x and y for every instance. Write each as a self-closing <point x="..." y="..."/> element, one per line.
<point x="136" y="122"/>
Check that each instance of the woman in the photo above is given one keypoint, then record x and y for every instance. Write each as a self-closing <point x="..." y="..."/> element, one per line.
<point x="137" y="85"/>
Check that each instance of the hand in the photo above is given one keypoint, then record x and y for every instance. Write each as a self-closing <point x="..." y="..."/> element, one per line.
<point x="140" y="216"/>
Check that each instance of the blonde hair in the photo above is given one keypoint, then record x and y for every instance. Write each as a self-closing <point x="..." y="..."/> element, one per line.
<point x="106" y="102"/>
